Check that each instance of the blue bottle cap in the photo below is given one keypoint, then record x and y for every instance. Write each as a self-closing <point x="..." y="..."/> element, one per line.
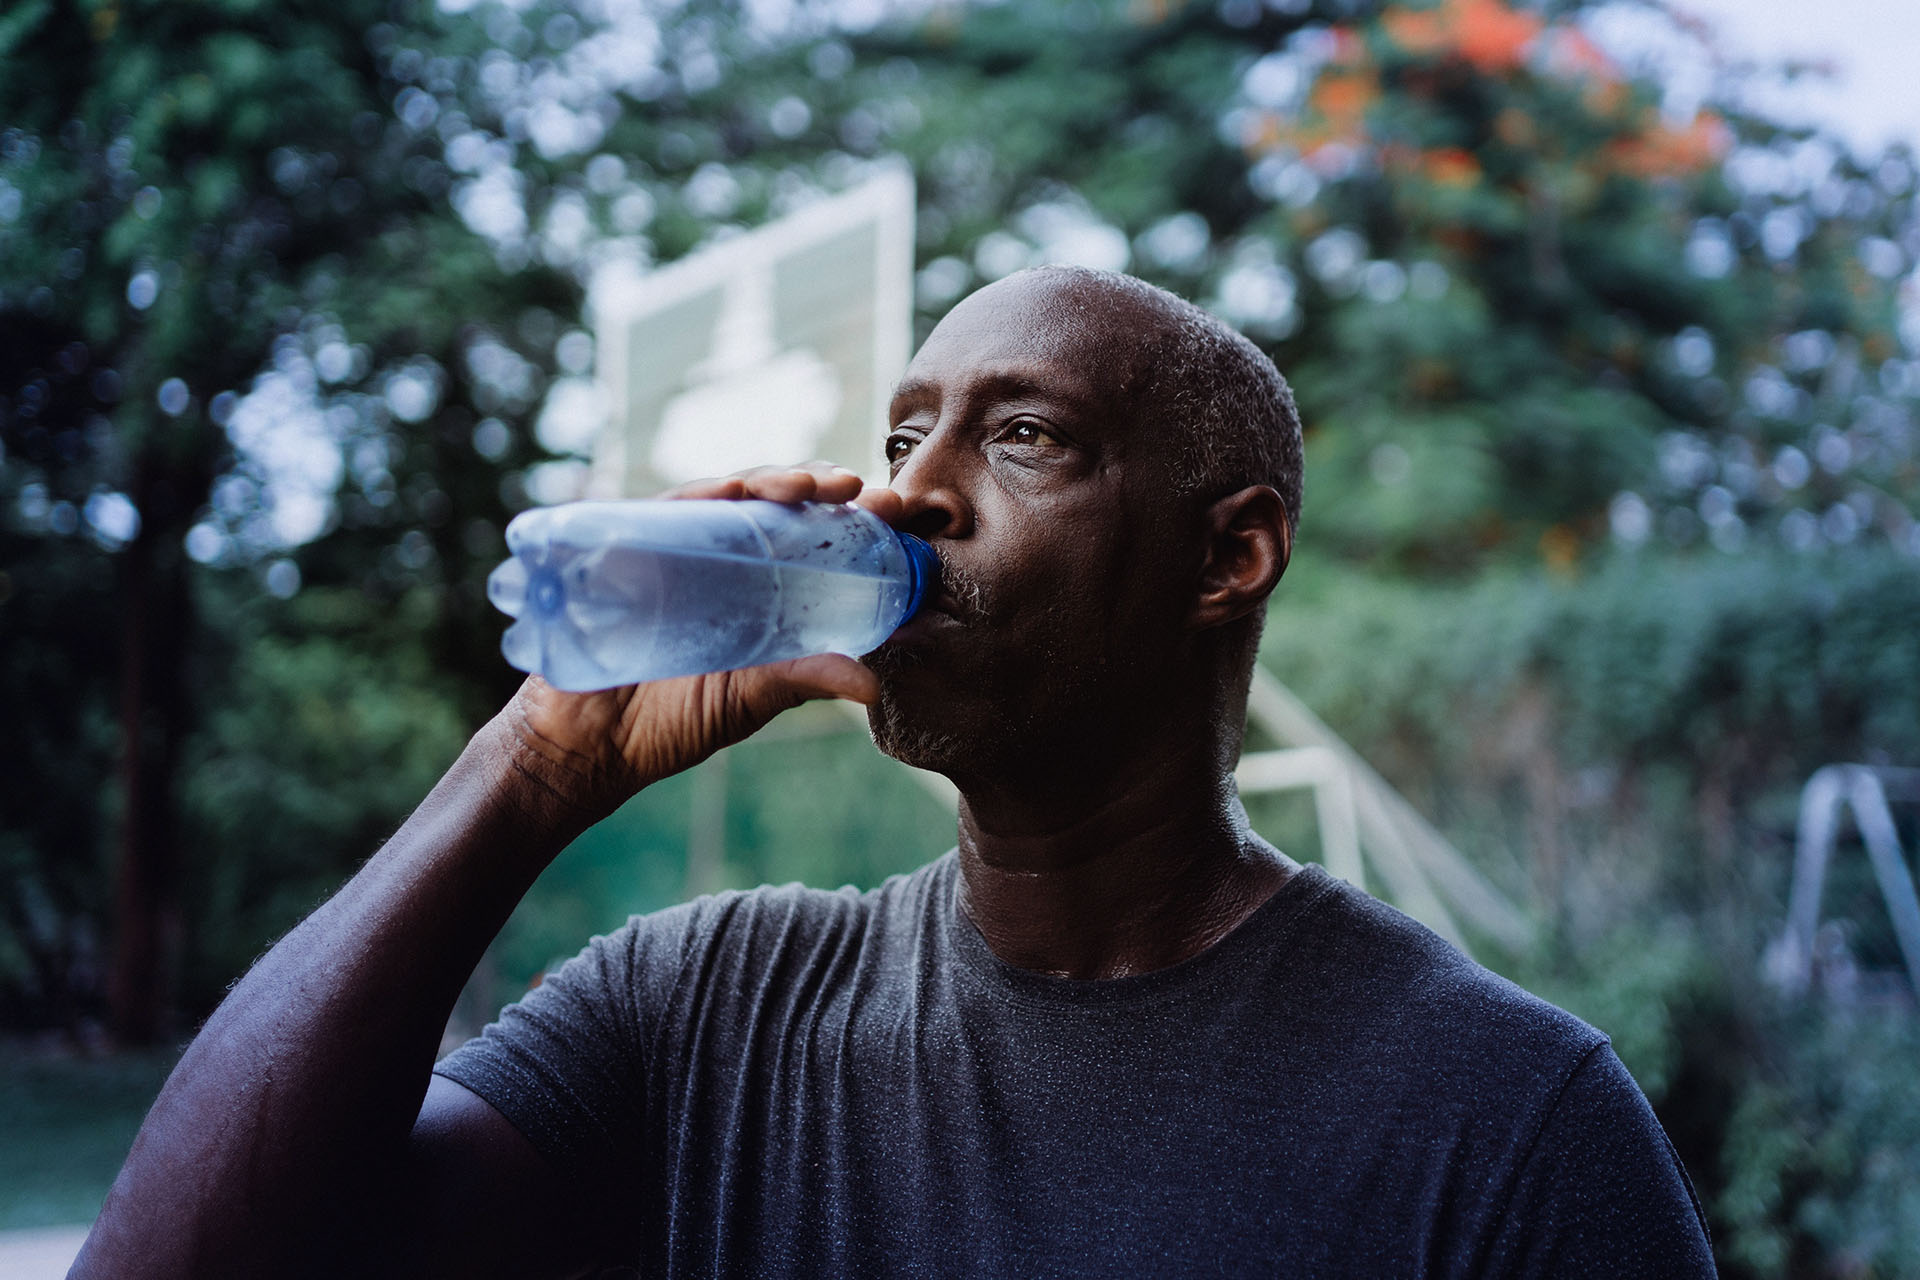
<point x="923" y="568"/>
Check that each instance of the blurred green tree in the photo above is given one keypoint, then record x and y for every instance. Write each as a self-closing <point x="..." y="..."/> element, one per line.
<point x="198" y="194"/>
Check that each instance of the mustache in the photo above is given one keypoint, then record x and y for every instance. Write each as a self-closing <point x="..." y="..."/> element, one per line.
<point x="961" y="594"/>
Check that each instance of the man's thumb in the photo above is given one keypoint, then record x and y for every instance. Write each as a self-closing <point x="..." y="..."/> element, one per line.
<point x="826" y="675"/>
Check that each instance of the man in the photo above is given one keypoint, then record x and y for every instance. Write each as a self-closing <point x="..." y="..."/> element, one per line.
<point x="1114" y="1033"/>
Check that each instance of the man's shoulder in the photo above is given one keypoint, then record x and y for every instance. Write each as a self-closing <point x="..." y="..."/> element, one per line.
<point x="781" y="906"/>
<point x="1387" y="985"/>
<point x="754" y="928"/>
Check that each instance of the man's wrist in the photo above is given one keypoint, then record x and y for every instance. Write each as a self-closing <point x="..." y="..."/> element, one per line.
<point x="552" y="786"/>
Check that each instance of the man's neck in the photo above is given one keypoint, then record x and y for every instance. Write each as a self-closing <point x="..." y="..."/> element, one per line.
<point x="1135" y="879"/>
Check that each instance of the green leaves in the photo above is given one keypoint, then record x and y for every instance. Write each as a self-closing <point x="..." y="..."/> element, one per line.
<point x="16" y="27"/>
<point x="1403" y="488"/>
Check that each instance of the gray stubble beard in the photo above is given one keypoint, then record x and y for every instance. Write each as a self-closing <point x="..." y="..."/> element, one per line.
<point x="911" y="739"/>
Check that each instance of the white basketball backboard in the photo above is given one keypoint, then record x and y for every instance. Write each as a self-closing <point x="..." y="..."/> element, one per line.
<point x="779" y="345"/>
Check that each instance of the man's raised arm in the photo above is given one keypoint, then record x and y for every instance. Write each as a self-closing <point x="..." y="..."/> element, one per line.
<point x="291" y="1139"/>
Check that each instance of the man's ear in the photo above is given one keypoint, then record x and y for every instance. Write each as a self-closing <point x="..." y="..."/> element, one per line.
<point x="1248" y="545"/>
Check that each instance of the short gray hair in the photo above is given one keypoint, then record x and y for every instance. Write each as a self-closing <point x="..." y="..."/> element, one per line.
<point x="1241" y="424"/>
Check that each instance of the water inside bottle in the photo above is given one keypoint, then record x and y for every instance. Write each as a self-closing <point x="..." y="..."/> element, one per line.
<point x="624" y="613"/>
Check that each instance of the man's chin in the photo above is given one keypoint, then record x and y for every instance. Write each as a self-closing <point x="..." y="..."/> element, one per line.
<point x="912" y="736"/>
<point x="938" y="710"/>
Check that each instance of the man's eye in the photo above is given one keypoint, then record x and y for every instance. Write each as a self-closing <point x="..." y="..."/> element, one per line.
<point x="1027" y="431"/>
<point x="898" y="447"/>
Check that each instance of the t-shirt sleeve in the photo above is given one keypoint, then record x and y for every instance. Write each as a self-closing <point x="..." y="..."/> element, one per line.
<point x="566" y="1063"/>
<point x="1601" y="1192"/>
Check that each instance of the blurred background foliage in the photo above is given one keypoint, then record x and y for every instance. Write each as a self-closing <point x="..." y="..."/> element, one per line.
<point x="1609" y="535"/>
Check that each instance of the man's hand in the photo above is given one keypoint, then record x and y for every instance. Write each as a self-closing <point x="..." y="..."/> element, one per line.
<point x="591" y="751"/>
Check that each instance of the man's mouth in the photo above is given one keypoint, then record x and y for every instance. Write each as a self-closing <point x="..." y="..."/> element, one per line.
<point x="938" y="614"/>
<point x="957" y="604"/>
<point x="960" y="596"/>
<point x="934" y="616"/>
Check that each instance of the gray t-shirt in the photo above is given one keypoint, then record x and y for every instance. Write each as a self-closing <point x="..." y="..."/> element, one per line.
<point x="798" y="1082"/>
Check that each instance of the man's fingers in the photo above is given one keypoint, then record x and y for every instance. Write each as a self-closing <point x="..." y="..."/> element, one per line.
<point x="809" y="482"/>
<point x="814" y="482"/>
<point x="823" y="675"/>
<point x="711" y="487"/>
<point x="685" y="720"/>
<point x="833" y="483"/>
<point x="885" y="503"/>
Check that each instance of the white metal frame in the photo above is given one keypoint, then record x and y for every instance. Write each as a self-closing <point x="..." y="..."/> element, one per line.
<point x="1364" y="821"/>
<point x="1866" y="789"/>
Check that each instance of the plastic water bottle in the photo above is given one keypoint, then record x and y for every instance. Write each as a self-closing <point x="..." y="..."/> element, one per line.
<point x="611" y="593"/>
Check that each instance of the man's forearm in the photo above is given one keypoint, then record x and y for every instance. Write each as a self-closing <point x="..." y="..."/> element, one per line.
<point x="299" y="1093"/>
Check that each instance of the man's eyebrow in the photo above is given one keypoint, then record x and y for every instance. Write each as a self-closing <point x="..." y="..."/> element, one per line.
<point x="1009" y="386"/>
<point x="989" y="385"/>
<point x="912" y="389"/>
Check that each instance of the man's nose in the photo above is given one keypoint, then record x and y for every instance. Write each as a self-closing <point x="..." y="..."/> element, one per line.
<point x="934" y="482"/>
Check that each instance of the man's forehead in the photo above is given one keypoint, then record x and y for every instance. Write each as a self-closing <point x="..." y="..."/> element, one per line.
<point x="1038" y="319"/>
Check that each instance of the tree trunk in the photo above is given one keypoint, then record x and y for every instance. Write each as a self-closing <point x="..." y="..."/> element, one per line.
<point x="155" y="619"/>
